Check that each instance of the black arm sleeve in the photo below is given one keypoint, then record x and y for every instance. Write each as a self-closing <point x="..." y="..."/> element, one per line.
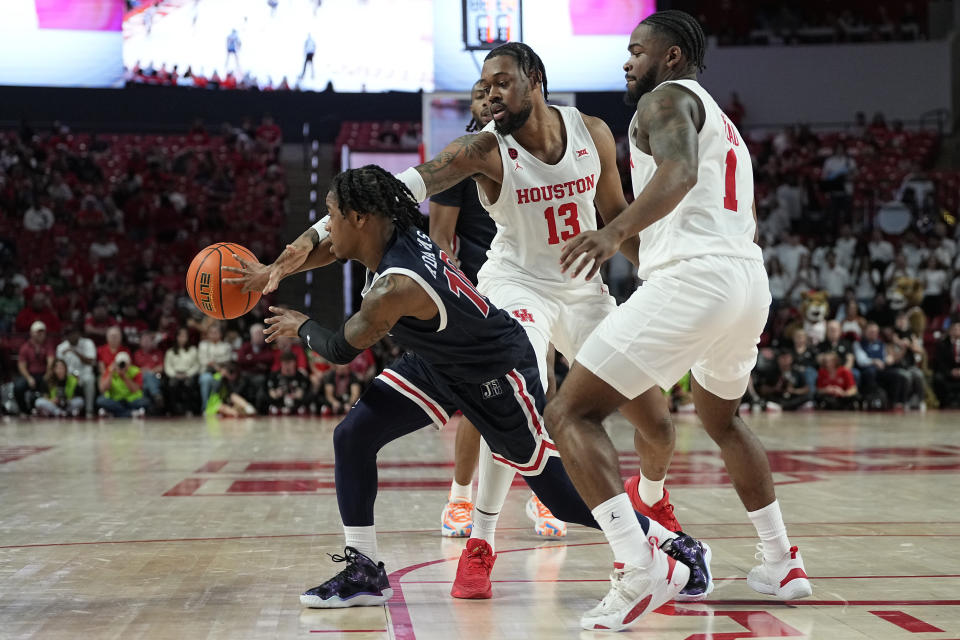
<point x="331" y="345"/>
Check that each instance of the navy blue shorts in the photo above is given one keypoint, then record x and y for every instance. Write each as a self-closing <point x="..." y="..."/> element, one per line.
<point x="507" y="410"/>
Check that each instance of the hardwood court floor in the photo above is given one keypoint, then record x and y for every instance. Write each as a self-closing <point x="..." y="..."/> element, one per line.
<point x="192" y="529"/>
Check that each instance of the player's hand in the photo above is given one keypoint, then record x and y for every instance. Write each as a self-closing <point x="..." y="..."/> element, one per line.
<point x="588" y="249"/>
<point x="250" y="275"/>
<point x="292" y="258"/>
<point x="285" y="324"/>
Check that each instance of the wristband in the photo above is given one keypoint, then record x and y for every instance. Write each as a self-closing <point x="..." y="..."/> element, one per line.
<point x="333" y="346"/>
<point x="414" y="181"/>
<point x="321" y="228"/>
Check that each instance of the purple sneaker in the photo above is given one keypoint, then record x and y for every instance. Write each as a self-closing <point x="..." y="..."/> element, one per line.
<point x="363" y="583"/>
<point x="696" y="555"/>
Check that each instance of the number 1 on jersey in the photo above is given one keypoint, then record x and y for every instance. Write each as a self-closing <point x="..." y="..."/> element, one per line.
<point x="730" y="182"/>
<point x="567" y="211"/>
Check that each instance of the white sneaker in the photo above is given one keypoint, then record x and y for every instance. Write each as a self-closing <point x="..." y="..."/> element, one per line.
<point x="785" y="579"/>
<point x="545" y="523"/>
<point x="635" y="592"/>
<point x="773" y="407"/>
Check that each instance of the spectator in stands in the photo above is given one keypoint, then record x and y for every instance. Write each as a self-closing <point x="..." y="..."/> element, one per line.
<point x="874" y="363"/>
<point x="80" y="355"/>
<point x="935" y="279"/>
<point x="834" y="279"/>
<point x="291" y="345"/>
<point x="104" y="248"/>
<point x="255" y="357"/>
<point x="845" y="247"/>
<point x="98" y="322"/>
<point x="106" y="353"/>
<point x="309" y="49"/>
<point x="859" y="127"/>
<point x="233" y="49"/>
<point x="130" y="323"/>
<point x="915" y="252"/>
<point x="121" y="388"/>
<point x="837" y="170"/>
<point x="38" y="218"/>
<point x="852" y="323"/>
<point x="880" y="311"/>
<point x="181" y="365"/>
<point x="286" y="391"/>
<point x="908" y="356"/>
<point x="225" y="400"/>
<point x="269" y="134"/>
<point x="789" y="252"/>
<point x="778" y="282"/>
<point x="946" y="367"/>
<point x="341" y="390"/>
<point x="61" y="398"/>
<point x="897" y="269"/>
<point x="786" y="387"/>
<point x="805" y="279"/>
<point x="805" y="358"/>
<point x="836" y="387"/>
<point x="213" y="352"/>
<point x="735" y="110"/>
<point x="40" y="310"/>
<point x="364" y="366"/>
<point x="150" y="360"/>
<point x="836" y="342"/>
<point x="33" y="363"/>
<point x="880" y="250"/>
<point x="11" y="302"/>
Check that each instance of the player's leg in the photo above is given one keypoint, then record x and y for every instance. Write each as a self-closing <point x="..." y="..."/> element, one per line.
<point x="456" y="521"/>
<point x="538" y="315"/>
<point x="395" y="404"/>
<point x="585" y="309"/>
<point x="719" y="380"/>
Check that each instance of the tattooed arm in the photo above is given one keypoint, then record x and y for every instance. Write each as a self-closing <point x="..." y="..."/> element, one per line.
<point x="668" y="123"/>
<point x="471" y="156"/>
<point x="391" y="297"/>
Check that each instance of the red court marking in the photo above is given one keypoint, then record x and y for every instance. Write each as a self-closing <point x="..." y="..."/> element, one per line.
<point x="906" y="621"/>
<point x="11" y="454"/>
<point x="186" y="487"/>
<point x="213" y="466"/>
<point x="309" y="485"/>
<point x="348" y="630"/>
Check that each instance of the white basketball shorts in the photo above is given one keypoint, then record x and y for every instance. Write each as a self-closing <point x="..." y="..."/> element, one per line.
<point x="564" y="316"/>
<point x="703" y="314"/>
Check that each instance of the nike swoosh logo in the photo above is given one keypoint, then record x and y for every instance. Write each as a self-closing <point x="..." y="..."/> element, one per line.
<point x="310" y="346"/>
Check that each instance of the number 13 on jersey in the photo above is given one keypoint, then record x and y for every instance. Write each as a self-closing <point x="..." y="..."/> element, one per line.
<point x="568" y="215"/>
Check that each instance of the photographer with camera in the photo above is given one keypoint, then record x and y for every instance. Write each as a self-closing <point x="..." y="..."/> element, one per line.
<point x="121" y="386"/>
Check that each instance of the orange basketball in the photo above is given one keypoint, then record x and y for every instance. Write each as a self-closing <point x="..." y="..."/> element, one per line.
<point x="203" y="282"/>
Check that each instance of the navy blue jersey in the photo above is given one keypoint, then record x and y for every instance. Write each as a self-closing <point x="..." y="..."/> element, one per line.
<point x="470" y="340"/>
<point x="475" y="228"/>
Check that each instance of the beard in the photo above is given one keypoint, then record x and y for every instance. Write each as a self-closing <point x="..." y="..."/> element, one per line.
<point x="513" y="121"/>
<point x="643" y="85"/>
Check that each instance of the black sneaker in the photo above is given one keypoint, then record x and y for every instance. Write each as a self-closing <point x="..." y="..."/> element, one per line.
<point x="696" y="555"/>
<point x="363" y="583"/>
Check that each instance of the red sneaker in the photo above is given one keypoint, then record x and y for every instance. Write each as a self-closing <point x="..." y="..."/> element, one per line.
<point x="473" y="571"/>
<point x="662" y="511"/>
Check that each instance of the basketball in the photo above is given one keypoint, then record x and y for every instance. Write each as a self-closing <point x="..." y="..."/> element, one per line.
<point x="219" y="301"/>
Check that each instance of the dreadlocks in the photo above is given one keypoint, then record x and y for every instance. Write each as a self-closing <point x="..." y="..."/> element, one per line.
<point x="528" y="61"/>
<point x="682" y="30"/>
<point x="374" y="191"/>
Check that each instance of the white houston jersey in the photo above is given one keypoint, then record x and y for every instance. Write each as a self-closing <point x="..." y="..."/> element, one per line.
<point x="541" y="206"/>
<point x="716" y="216"/>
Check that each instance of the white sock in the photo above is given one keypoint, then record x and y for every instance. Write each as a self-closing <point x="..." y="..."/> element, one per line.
<point x="773" y="533"/>
<point x="651" y="491"/>
<point x="659" y="532"/>
<point x="492" y="487"/>
<point x="363" y="539"/>
<point x="461" y="492"/>
<point x="623" y="531"/>
<point x="485" y="527"/>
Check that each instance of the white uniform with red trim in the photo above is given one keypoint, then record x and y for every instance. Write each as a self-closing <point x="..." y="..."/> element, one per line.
<point x="705" y="296"/>
<point x="539" y="208"/>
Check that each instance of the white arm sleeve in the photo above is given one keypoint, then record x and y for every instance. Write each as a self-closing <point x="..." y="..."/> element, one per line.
<point x="321" y="227"/>
<point x="414" y="181"/>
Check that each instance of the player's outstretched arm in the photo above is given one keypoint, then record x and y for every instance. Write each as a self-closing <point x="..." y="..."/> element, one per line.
<point x="443" y="226"/>
<point x="667" y="120"/>
<point x="391" y="297"/>
<point x="474" y="155"/>
<point x="309" y="251"/>
<point x="609" y="200"/>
